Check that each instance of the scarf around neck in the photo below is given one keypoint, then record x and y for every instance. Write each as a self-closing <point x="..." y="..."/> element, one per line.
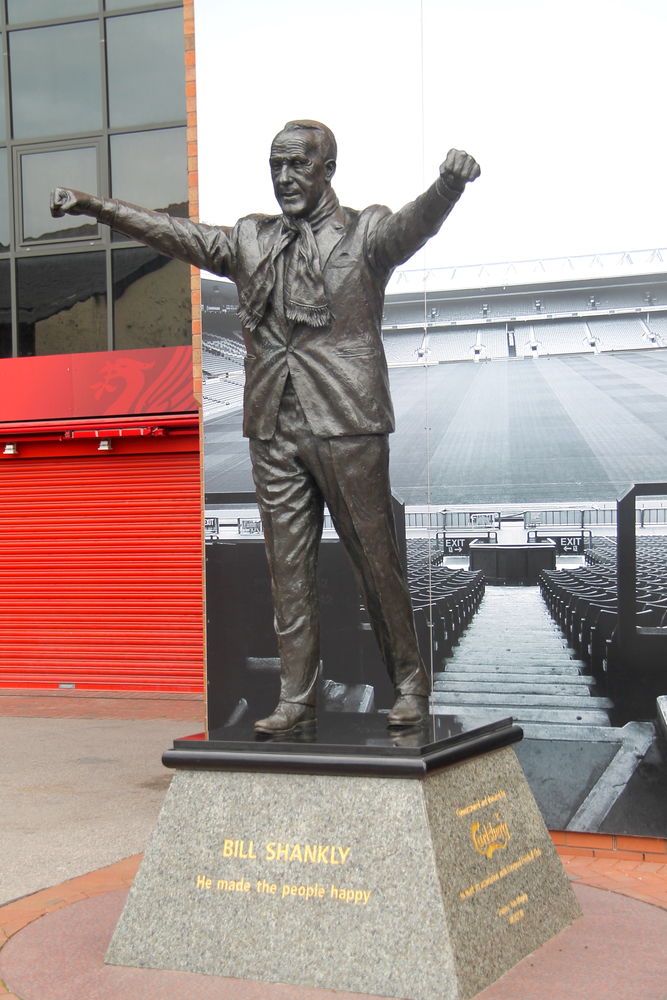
<point x="305" y="299"/>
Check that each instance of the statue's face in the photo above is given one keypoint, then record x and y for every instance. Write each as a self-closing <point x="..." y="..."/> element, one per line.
<point x="299" y="172"/>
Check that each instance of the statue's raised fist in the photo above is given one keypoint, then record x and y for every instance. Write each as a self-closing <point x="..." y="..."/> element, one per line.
<point x="65" y="201"/>
<point x="459" y="169"/>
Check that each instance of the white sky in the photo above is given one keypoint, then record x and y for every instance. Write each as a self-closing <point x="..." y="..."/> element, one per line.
<point x="561" y="101"/>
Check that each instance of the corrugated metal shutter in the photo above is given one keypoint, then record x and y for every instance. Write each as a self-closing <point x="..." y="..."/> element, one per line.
<point x="101" y="572"/>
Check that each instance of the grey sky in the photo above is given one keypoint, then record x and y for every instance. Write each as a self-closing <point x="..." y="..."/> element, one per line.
<point x="559" y="101"/>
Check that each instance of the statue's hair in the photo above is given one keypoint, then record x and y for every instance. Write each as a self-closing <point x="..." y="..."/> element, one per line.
<point x="325" y="135"/>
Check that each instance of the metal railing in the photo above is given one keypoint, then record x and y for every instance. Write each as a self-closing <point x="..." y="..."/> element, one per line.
<point x="626" y="558"/>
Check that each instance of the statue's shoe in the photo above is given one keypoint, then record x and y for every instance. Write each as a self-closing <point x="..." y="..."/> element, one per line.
<point x="408" y="710"/>
<point x="286" y="716"/>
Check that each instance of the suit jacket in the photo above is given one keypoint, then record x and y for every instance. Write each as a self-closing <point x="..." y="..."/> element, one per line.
<point x="339" y="371"/>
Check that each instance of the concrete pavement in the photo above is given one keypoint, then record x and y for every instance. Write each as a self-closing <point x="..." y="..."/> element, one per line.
<point x="81" y="793"/>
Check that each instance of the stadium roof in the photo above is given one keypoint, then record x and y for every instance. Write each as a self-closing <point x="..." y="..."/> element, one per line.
<point x="528" y="272"/>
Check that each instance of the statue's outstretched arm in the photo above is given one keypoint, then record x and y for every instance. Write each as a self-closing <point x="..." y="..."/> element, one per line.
<point x="209" y="247"/>
<point x="400" y="234"/>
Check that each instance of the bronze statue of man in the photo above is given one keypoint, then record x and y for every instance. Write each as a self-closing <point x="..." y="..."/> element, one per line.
<point x="317" y="407"/>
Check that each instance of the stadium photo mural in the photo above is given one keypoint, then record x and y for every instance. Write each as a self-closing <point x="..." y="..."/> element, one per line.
<point x="530" y="397"/>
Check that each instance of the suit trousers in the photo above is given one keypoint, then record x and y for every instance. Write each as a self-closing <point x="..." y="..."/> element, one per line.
<point x="295" y="474"/>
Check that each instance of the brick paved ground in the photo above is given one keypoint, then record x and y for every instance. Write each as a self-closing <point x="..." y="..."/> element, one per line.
<point x="632" y="867"/>
<point x="67" y="704"/>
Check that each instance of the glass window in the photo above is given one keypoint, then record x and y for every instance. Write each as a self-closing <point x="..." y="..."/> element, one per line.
<point x="151" y="299"/>
<point x="5" y="311"/>
<point x="3" y="117"/>
<point x="40" y="173"/>
<point x="4" y="202"/>
<point x="150" y="169"/>
<point x="62" y="304"/>
<point x="146" y="67"/>
<point x="121" y="4"/>
<point x="55" y="76"/>
<point x="47" y="10"/>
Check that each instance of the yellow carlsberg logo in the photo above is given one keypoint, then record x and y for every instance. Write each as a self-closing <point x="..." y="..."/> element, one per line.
<point x="490" y="837"/>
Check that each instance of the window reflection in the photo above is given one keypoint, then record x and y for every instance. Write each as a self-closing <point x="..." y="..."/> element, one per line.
<point x="3" y="117"/>
<point x="151" y="299"/>
<point x="57" y="118"/>
<point x="55" y="75"/>
<point x="47" y="10"/>
<point x="145" y="65"/>
<point x="62" y="305"/>
<point x="150" y="169"/>
<point x="5" y="311"/>
<point x="40" y="173"/>
<point x="4" y="202"/>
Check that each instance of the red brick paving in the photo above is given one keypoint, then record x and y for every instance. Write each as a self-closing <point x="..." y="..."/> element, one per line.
<point x="68" y="704"/>
<point x="615" y="952"/>
<point x="18" y="914"/>
<point x="639" y="879"/>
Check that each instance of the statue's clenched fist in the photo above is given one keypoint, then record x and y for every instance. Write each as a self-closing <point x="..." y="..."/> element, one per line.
<point x="66" y="201"/>
<point x="459" y="169"/>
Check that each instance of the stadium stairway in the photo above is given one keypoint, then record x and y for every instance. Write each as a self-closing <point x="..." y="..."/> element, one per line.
<point x="586" y="774"/>
<point x="513" y="659"/>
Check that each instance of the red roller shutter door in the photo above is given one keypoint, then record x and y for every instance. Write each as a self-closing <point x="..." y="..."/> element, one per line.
<point x="101" y="572"/>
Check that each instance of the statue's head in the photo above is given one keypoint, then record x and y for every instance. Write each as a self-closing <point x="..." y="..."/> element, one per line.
<point x="302" y="161"/>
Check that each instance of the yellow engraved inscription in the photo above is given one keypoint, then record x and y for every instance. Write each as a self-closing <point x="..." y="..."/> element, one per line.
<point x="274" y="850"/>
<point x="490" y="837"/>
<point x="238" y="849"/>
<point x="222" y="884"/>
<point x="333" y="855"/>
<point x="318" y="854"/>
<point x="481" y="803"/>
<point x="262" y="887"/>
<point x="525" y="859"/>
<point x="514" y="910"/>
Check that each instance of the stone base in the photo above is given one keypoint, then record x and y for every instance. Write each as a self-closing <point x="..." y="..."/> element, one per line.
<point x="428" y="889"/>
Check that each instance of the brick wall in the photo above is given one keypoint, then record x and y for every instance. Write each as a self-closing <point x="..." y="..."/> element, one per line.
<point x="193" y="203"/>
<point x="193" y="180"/>
<point x="611" y="846"/>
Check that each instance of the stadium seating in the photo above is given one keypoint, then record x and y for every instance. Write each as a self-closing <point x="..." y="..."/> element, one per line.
<point x="402" y="347"/>
<point x="541" y="338"/>
<point x="443" y="311"/>
<point x="459" y="345"/>
<point x="546" y="321"/>
<point x="618" y="333"/>
<point x="452" y="345"/>
<point x="221" y="397"/>
<point x="404" y="314"/>
<point x="562" y="337"/>
<point x="511" y="305"/>
<point x="223" y="349"/>
<point x="494" y="339"/>
<point x="214" y="365"/>
<point x="657" y="324"/>
<point x="444" y="600"/>
<point x="584" y="600"/>
<point x="222" y="373"/>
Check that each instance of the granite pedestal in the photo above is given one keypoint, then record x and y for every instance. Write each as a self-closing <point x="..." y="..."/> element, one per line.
<point x="414" y="865"/>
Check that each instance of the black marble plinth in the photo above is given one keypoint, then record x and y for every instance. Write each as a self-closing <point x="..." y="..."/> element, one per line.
<point x="340" y="743"/>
